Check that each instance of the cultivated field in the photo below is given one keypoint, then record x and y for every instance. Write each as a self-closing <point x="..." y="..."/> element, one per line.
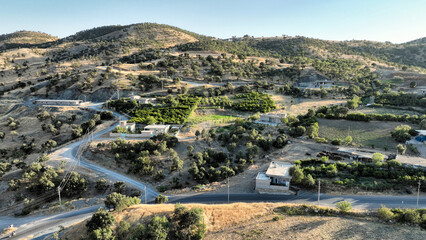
<point x="367" y="134"/>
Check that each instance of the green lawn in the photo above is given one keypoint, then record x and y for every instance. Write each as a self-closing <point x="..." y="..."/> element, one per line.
<point x="195" y="118"/>
<point x="375" y="133"/>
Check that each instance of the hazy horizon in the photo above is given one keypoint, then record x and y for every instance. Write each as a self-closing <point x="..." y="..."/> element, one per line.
<point x="393" y="20"/>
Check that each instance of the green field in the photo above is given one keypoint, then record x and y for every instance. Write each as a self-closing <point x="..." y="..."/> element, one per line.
<point x="383" y="110"/>
<point x="195" y="118"/>
<point x="366" y="133"/>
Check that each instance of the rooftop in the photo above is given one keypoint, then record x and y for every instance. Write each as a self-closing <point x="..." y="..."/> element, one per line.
<point x="421" y="132"/>
<point x="262" y="176"/>
<point x="157" y="126"/>
<point x="279" y="169"/>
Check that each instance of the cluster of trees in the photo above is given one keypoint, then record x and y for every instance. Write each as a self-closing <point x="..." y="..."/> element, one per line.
<point x="172" y="110"/>
<point x="410" y="216"/>
<point x="183" y="224"/>
<point x="403" y="133"/>
<point x="401" y="99"/>
<point x="381" y="175"/>
<point x="341" y="112"/>
<point x="254" y="102"/>
<point x="302" y="124"/>
<point x="143" y="157"/>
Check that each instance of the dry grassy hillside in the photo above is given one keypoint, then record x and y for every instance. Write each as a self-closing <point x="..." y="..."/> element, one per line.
<point x="255" y="221"/>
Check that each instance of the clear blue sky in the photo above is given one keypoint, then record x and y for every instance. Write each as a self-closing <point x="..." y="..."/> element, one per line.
<point x="380" y="20"/>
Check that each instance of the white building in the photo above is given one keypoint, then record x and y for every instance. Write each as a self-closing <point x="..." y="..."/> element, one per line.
<point x="271" y="119"/>
<point x="142" y="100"/>
<point x="58" y="102"/>
<point x="276" y="179"/>
<point x="130" y="127"/>
<point x="157" y="129"/>
<point x="313" y="79"/>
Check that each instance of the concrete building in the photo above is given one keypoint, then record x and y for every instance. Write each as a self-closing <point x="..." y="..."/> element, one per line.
<point x="142" y="100"/>
<point x="271" y="119"/>
<point x="157" y="129"/>
<point x="58" y="102"/>
<point x="313" y="79"/>
<point x="130" y="127"/>
<point x="276" y="179"/>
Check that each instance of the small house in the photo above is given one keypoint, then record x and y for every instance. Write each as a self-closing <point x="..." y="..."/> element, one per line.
<point x="157" y="129"/>
<point x="130" y="127"/>
<point x="276" y="179"/>
<point x="271" y="119"/>
<point x="311" y="78"/>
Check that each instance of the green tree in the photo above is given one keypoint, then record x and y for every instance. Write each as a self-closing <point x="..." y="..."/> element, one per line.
<point x="344" y="206"/>
<point x="76" y="185"/>
<point x="123" y="230"/>
<point x="100" y="219"/>
<point x="401" y="133"/>
<point x="422" y="125"/>
<point x="160" y="199"/>
<point x="296" y="174"/>
<point x="158" y="229"/>
<point x="101" y="185"/>
<point x="308" y="181"/>
<point x="119" y="201"/>
<point x="347" y="140"/>
<point x="187" y="223"/>
<point x="2" y="135"/>
<point x="385" y="213"/>
<point x="401" y="149"/>
<point x="119" y="186"/>
<point x="377" y="158"/>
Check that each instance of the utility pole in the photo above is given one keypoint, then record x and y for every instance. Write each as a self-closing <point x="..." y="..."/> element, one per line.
<point x="145" y="193"/>
<point x="319" y="191"/>
<point x="118" y="94"/>
<point x="228" y="189"/>
<point x="418" y="194"/>
<point x="59" y="193"/>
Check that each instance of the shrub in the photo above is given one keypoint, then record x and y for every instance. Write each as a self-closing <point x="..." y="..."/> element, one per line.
<point x="160" y="199"/>
<point x="187" y="223"/>
<point x="100" y="219"/>
<point x="344" y="206"/>
<point x="412" y="216"/>
<point x="119" y="201"/>
<point x="158" y="229"/>
<point x="321" y="140"/>
<point x="385" y="213"/>
<point x="101" y="185"/>
<point x="336" y="142"/>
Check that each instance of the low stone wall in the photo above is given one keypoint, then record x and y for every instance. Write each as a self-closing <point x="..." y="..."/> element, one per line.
<point x="130" y="135"/>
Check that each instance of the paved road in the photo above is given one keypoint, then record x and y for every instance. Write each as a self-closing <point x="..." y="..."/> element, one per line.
<point x="40" y="226"/>
<point x="68" y="153"/>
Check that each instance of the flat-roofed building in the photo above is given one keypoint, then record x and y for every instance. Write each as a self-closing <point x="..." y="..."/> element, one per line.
<point x="276" y="179"/>
<point x="271" y="119"/>
<point x="130" y="127"/>
<point x="58" y="102"/>
<point x="157" y="129"/>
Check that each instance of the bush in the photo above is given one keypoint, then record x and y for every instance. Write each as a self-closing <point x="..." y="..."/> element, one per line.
<point x="100" y="219"/>
<point x="160" y="199"/>
<point x="119" y="201"/>
<point x="385" y="213"/>
<point x="101" y="185"/>
<point x="336" y="142"/>
<point x="158" y="229"/>
<point x="344" y="206"/>
<point x="187" y="223"/>
<point x="412" y="216"/>
<point x="321" y="140"/>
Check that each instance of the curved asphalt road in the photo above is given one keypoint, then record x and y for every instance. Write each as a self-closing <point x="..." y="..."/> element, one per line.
<point x="38" y="227"/>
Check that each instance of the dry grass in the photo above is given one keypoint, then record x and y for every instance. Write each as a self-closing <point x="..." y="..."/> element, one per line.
<point x="296" y="106"/>
<point x="255" y="221"/>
